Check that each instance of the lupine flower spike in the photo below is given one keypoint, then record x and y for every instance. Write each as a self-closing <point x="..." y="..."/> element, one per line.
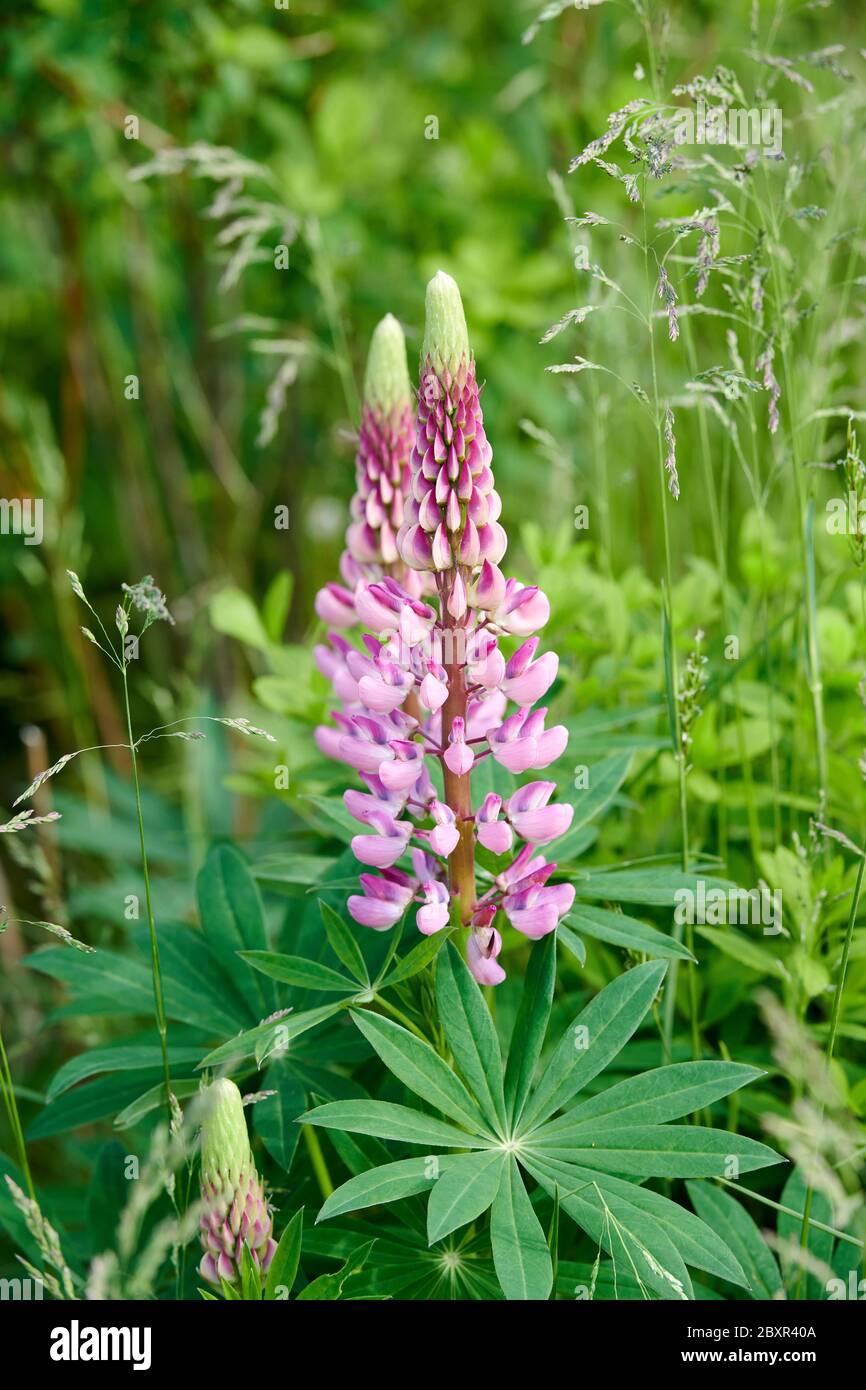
<point x="382" y="477"/>
<point x="234" y="1211"/>
<point x="432" y="686"/>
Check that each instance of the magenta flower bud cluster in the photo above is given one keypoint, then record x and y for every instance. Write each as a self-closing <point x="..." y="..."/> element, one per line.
<point x="427" y="683"/>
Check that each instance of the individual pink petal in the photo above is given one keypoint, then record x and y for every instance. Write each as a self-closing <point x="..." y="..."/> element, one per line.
<point x="373" y="912"/>
<point x="498" y="837"/>
<point x="542" y="826"/>
<point x="433" y="692"/>
<point x="328" y="742"/>
<point x="490" y="588"/>
<point x="534" y="682"/>
<point x="335" y="606"/>
<point x="459" y="757"/>
<point x="481" y="951"/>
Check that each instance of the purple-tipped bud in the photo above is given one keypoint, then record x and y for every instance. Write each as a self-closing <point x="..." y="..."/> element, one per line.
<point x="234" y="1212"/>
<point x="384" y="446"/>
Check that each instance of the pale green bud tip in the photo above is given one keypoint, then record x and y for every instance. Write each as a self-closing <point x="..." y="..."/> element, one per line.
<point x="386" y="383"/>
<point x="446" y="338"/>
<point x="225" y="1145"/>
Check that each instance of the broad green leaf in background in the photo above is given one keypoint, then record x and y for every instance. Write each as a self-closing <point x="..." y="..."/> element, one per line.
<point x="619" y="930"/>
<point x="724" y="1213"/>
<point x="232" y="919"/>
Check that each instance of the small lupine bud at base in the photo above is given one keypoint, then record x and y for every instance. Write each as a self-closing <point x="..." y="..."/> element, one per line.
<point x="234" y="1211"/>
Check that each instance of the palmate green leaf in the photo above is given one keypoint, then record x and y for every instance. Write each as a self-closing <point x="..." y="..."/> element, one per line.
<point x="251" y="1280"/>
<point x="594" y="1039"/>
<point x="520" y="1253"/>
<point x="343" y="943"/>
<point x="295" y="970"/>
<point x="404" y="1267"/>
<point x="724" y="1213"/>
<point x="284" y="1266"/>
<point x="252" y="1042"/>
<point x="584" y="1159"/>
<point x="232" y="918"/>
<point x="421" y="1069"/>
<point x="619" y="930"/>
<point x="388" y="1183"/>
<point x="653" y="1097"/>
<point x="384" y="1120"/>
<point x="636" y="1240"/>
<point x="530" y="1026"/>
<point x="656" y="1151"/>
<point x="470" y="1033"/>
<point x="701" y="1246"/>
<point x="463" y="1193"/>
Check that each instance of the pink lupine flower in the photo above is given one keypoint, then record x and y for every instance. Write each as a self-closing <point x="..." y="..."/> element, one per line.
<point x="494" y="834"/>
<point x="481" y="951"/>
<point x="367" y="742"/>
<point x="526" y="680"/>
<point x="526" y="869"/>
<point x="524" y="609"/>
<point x="427" y="681"/>
<point x="433" y="915"/>
<point x="336" y="606"/>
<point x="433" y="691"/>
<point x="536" y="911"/>
<point x="511" y="746"/>
<point x="444" y="838"/>
<point x="405" y="766"/>
<point x="533" y="819"/>
<point x="384" y="687"/>
<point x="489" y="591"/>
<point x="362" y="805"/>
<point x="458" y="755"/>
<point x="385" y="899"/>
<point x="384" y="848"/>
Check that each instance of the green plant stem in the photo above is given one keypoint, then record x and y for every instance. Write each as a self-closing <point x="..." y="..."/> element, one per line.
<point x="159" y="1004"/>
<point x="831" y="1040"/>
<point x="11" y="1104"/>
<point x="400" y="1016"/>
<point x="788" y="1211"/>
<point x="317" y="1158"/>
